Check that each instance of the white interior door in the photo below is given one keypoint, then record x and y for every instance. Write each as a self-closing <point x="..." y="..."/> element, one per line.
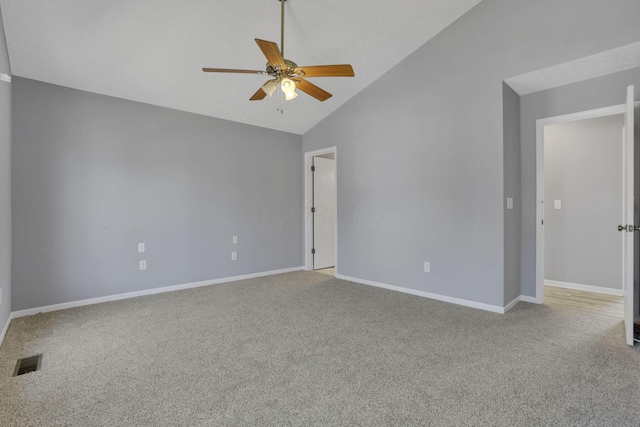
<point x="324" y="217"/>
<point x="628" y="209"/>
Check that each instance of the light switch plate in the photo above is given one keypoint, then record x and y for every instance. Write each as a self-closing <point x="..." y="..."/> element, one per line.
<point x="235" y="240"/>
<point x="509" y="202"/>
<point x="234" y="256"/>
<point x="141" y="247"/>
<point x="427" y="267"/>
<point x="557" y="204"/>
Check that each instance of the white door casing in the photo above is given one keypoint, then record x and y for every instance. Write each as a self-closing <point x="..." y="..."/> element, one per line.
<point x="308" y="199"/>
<point x="540" y="130"/>
<point x="324" y="221"/>
<point x="628" y="200"/>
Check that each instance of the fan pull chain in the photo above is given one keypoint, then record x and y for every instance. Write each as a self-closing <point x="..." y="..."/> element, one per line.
<point x="279" y="95"/>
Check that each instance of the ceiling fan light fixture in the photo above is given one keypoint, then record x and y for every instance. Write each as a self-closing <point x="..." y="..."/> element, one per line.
<point x="287" y="85"/>
<point x="288" y="96"/>
<point x="270" y="87"/>
<point x="286" y="73"/>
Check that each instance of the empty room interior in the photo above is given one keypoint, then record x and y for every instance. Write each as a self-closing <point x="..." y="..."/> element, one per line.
<point x="290" y="212"/>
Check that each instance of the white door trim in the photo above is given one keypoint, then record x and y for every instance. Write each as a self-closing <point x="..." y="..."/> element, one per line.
<point x="308" y="191"/>
<point x="540" y="125"/>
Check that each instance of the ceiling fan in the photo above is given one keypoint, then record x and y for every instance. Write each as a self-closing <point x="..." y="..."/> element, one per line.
<point x="287" y="74"/>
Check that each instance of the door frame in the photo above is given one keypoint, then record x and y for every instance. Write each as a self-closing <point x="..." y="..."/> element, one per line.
<point x="308" y="191"/>
<point x="540" y="125"/>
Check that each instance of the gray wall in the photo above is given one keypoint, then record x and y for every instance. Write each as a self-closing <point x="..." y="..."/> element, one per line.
<point x="583" y="169"/>
<point x="93" y="176"/>
<point x="5" y="66"/>
<point x="596" y="93"/>
<point x="511" y="132"/>
<point x="425" y="143"/>
<point x="5" y="183"/>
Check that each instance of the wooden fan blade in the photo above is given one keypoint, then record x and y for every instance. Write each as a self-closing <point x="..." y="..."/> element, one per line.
<point x="313" y="90"/>
<point x="272" y="52"/>
<point x="225" y="70"/>
<point x="343" y="70"/>
<point x="259" y="95"/>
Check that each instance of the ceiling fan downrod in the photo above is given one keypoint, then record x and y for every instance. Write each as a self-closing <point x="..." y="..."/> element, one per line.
<point x="282" y="27"/>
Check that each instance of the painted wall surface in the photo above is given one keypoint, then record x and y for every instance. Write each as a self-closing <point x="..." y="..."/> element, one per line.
<point x="583" y="170"/>
<point x="93" y="176"/>
<point x="424" y="144"/>
<point x="511" y="131"/>
<point x="5" y="66"/>
<point x="5" y="184"/>
<point x="596" y="93"/>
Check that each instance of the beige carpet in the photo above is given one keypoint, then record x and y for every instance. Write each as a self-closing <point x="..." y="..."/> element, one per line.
<point x="306" y="349"/>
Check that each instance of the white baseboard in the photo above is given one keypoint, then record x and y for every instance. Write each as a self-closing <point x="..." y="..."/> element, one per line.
<point x="532" y="300"/>
<point x="512" y="303"/>
<point x="588" y="288"/>
<point x="63" y="306"/>
<point x="5" y="329"/>
<point x="452" y="300"/>
<point x="521" y="298"/>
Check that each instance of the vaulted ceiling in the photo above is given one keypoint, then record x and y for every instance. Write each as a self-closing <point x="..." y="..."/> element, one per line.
<point x="152" y="51"/>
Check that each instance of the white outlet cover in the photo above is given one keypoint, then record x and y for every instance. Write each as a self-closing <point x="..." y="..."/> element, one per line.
<point x="234" y="256"/>
<point x="143" y="265"/>
<point x="557" y="204"/>
<point x="509" y="202"/>
<point x="141" y="247"/>
<point x="235" y="240"/>
<point x="427" y="267"/>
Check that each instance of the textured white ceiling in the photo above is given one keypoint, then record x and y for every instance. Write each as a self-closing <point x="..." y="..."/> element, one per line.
<point x="152" y="51"/>
<point x="590" y="67"/>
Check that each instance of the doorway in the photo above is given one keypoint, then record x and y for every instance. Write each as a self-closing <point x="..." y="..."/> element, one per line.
<point x="583" y="198"/>
<point x="321" y="207"/>
<point x="628" y="209"/>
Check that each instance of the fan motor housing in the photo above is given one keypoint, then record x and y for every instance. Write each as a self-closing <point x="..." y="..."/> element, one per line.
<point x="286" y="72"/>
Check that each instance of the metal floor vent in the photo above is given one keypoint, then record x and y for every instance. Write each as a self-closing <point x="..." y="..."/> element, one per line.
<point x="28" y="364"/>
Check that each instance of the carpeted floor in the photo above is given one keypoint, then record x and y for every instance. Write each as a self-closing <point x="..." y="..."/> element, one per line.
<point x="306" y="349"/>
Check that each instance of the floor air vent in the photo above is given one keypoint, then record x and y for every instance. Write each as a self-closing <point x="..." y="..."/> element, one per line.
<point x="28" y="364"/>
